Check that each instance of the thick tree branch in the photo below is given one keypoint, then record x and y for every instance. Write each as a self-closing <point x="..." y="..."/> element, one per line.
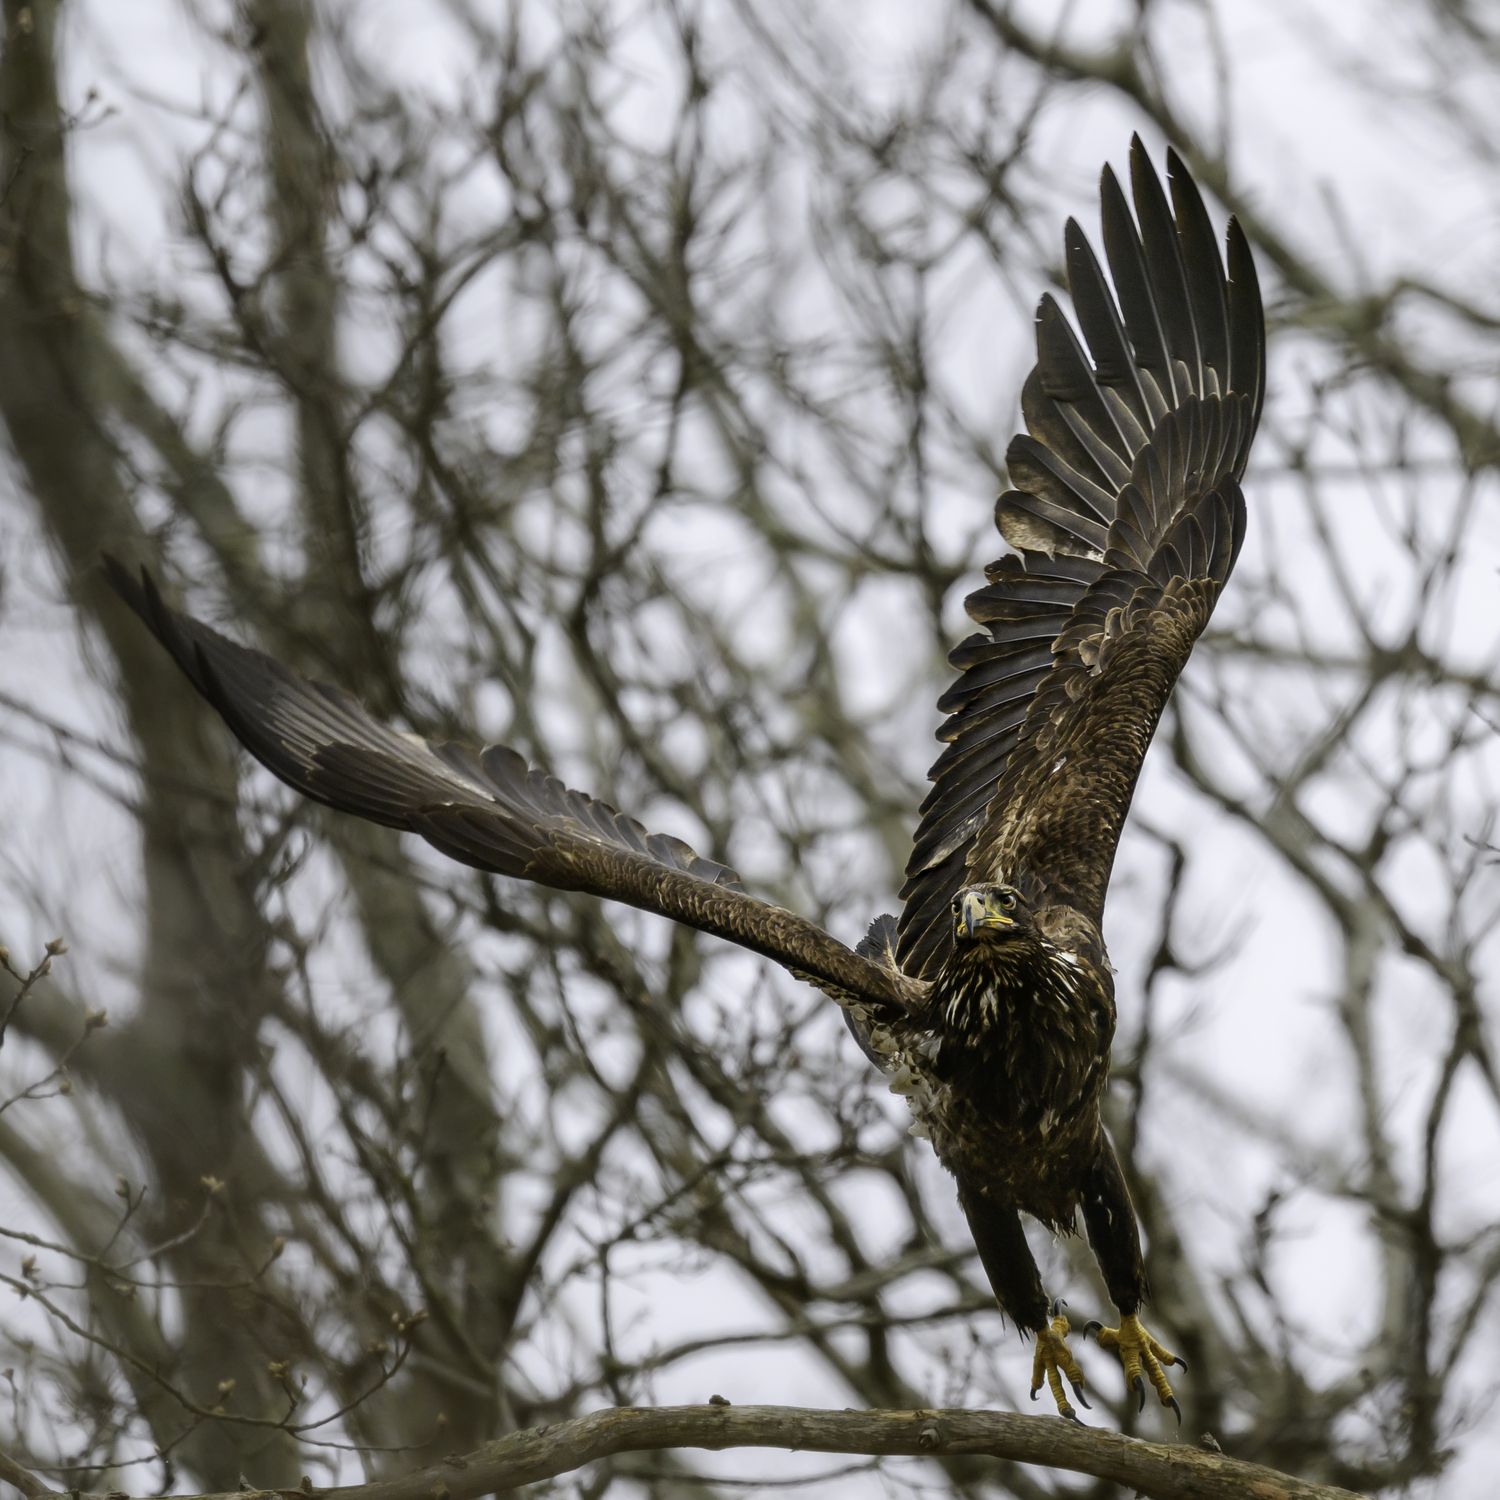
<point x="1159" y="1471"/>
<point x="23" y="1479"/>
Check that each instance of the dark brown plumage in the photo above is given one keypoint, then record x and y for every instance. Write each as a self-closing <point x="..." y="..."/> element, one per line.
<point x="1010" y="1096"/>
<point x="990" y="1001"/>
<point x="1126" y="521"/>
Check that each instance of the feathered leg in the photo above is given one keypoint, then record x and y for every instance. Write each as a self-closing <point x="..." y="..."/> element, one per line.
<point x="1008" y="1262"/>
<point x="1110" y="1217"/>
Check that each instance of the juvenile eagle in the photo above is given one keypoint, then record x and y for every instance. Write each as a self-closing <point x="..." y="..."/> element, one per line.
<point x="989" y="1000"/>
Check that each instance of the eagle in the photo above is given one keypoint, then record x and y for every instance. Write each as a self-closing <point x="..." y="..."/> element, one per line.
<point x="989" y="1001"/>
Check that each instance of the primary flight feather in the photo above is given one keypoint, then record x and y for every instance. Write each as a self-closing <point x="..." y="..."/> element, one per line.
<point x="989" y="1001"/>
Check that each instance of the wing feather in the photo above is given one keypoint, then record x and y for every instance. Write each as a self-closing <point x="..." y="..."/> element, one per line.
<point x="1064" y="407"/>
<point x="1138" y="310"/>
<point x="1126" y="518"/>
<point x="1162" y="251"/>
<point x="1064" y="495"/>
<point x="1204" y="274"/>
<point x="487" y="808"/>
<point x="1247" y="327"/>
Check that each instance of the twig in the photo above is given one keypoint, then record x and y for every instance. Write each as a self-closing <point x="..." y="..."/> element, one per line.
<point x="27" y="981"/>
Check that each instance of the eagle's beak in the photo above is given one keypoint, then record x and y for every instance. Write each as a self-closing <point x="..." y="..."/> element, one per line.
<point x="975" y="913"/>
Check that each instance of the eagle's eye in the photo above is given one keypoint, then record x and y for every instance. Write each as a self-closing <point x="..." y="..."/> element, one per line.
<point x="957" y="904"/>
<point x="1007" y="901"/>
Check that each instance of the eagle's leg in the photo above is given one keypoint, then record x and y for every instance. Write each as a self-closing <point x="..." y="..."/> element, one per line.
<point x="1008" y="1262"/>
<point x="1110" y="1218"/>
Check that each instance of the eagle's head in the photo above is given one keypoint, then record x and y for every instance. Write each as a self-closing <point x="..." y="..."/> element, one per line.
<point x="997" y="952"/>
<point x="990" y="915"/>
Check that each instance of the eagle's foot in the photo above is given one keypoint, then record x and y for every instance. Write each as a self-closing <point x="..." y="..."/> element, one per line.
<point x="1054" y="1360"/>
<point x="1139" y="1352"/>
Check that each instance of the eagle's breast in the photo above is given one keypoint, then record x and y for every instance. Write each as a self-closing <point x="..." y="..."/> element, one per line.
<point x="1007" y="1084"/>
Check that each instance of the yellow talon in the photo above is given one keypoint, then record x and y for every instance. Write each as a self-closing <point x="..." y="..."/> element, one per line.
<point x="1054" y="1360"/>
<point x="1139" y="1351"/>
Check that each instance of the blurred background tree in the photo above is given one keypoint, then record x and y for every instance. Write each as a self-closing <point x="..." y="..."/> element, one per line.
<point x="629" y="383"/>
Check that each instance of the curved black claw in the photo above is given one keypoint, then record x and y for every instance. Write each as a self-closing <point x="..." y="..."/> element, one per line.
<point x="1178" y="1360"/>
<point x="1142" y="1357"/>
<point x="1093" y="1326"/>
<point x="1056" y="1306"/>
<point x="1072" y="1416"/>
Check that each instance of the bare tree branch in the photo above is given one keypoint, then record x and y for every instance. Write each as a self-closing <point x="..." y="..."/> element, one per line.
<point x="1157" y="1471"/>
<point x="29" y="1485"/>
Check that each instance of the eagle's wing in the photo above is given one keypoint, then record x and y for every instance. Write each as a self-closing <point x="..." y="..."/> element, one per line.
<point x="1126" y="519"/>
<point x="486" y="808"/>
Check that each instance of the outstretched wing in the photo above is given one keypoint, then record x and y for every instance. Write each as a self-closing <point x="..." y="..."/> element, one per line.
<point x="486" y="808"/>
<point x="1126" y="520"/>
